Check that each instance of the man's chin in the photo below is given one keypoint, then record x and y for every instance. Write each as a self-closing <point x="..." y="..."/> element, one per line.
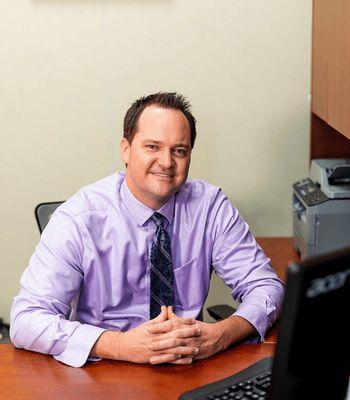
<point x="161" y="197"/>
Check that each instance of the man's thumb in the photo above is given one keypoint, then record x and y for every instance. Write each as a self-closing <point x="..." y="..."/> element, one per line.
<point x="162" y="316"/>
<point x="171" y="313"/>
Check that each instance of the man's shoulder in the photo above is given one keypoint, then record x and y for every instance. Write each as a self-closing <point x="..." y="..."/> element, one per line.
<point x="96" y="196"/>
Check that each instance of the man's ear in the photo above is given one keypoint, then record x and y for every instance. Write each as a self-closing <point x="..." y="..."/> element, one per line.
<point x="125" y="150"/>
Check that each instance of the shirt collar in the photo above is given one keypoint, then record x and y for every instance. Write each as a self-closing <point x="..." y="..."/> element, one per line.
<point x="140" y="211"/>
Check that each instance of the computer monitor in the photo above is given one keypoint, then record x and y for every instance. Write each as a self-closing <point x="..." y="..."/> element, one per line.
<point x="312" y="359"/>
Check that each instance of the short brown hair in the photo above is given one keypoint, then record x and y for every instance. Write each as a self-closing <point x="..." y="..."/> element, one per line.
<point x="161" y="99"/>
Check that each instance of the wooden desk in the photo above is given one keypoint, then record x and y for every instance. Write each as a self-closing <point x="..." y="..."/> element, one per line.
<point x="26" y="375"/>
<point x="281" y="252"/>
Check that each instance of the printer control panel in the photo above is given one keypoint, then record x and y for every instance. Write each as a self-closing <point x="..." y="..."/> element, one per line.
<point x="309" y="192"/>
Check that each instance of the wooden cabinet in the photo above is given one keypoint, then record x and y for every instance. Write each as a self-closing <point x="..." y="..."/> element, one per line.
<point x="331" y="63"/>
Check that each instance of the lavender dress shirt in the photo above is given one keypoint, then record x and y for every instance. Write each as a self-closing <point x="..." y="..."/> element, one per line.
<point x="90" y="270"/>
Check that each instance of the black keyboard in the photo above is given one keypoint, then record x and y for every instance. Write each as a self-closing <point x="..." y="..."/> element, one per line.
<point x="252" y="383"/>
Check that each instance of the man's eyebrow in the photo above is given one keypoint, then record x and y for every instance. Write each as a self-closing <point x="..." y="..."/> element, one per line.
<point x="151" y="141"/>
<point x="159" y="142"/>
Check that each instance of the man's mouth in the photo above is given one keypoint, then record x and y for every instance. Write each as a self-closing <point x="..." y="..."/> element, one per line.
<point x="162" y="175"/>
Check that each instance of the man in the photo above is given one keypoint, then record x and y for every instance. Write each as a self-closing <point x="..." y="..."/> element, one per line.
<point x="132" y="253"/>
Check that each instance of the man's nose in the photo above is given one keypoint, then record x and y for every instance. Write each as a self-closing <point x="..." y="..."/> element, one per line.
<point x="166" y="159"/>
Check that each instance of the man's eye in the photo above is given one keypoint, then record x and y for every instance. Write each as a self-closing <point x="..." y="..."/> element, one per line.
<point x="180" y="152"/>
<point x="152" y="147"/>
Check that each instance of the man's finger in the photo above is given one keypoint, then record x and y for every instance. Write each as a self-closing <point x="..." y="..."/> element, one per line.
<point x="171" y="313"/>
<point x="200" y="356"/>
<point x="182" y="360"/>
<point x="162" y="316"/>
<point x="170" y="343"/>
<point x="184" y="351"/>
<point x="166" y="344"/>
<point x="170" y="325"/>
<point x="163" y="358"/>
<point x="187" y="332"/>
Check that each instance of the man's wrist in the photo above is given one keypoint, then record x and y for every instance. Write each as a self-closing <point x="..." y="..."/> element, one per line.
<point x="235" y="329"/>
<point x="108" y="346"/>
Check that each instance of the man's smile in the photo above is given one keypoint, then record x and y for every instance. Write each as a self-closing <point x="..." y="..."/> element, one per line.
<point x="163" y="175"/>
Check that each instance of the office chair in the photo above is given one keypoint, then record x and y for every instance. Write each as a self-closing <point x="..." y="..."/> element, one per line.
<point x="4" y="332"/>
<point x="43" y="212"/>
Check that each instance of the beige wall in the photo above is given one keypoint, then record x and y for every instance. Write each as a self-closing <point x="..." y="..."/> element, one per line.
<point x="70" y="68"/>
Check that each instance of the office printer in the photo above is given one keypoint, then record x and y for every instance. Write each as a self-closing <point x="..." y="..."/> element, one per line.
<point x="321" y="208"/>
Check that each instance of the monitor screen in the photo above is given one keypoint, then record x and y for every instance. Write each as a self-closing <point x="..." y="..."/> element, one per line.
<point x="314" y="336"/>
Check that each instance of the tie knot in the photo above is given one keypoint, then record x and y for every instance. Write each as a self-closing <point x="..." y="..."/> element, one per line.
<point x="157" y="218"/>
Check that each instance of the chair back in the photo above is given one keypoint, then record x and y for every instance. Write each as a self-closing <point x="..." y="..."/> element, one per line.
<point x="43" y="212"/>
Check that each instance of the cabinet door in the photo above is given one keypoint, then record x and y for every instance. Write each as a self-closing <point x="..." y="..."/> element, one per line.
<point x="320" y="54"/>
<point x="339" y="68"/>
<point x="331" y="63"/>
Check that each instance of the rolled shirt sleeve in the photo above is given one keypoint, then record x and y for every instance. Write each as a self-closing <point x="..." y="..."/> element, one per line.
<point x="48" y="286"/>
<point x="241" y="263"/>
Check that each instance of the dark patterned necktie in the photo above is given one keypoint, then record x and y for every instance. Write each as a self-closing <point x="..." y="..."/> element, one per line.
<point x="162" y="289"/>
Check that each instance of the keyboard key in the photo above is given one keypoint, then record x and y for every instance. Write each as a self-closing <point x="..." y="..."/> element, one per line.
<point x="263" y="375"/>
<point x="220" y="393"/>
<point x="262" y="382"/>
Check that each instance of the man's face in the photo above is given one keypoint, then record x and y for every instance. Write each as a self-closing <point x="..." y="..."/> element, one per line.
<point x="159" y="155"/>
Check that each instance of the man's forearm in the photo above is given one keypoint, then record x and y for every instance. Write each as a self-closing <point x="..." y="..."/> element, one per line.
<point x="234" y="329"/>
<point x="108" y="346"/>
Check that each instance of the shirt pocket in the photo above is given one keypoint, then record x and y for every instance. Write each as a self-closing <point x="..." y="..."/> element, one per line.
<point x="190" y="286"/>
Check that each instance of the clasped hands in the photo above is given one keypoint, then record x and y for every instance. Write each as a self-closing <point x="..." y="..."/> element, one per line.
<point x="171" y="339"/>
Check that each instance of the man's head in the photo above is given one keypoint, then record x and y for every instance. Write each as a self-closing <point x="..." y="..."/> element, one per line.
<point x="163" y="100"/>
<point x="159" y="134"/>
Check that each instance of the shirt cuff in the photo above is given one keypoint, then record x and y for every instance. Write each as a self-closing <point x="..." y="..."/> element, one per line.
<point x="79" y="345"/>
<point x="256" y="316"/>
